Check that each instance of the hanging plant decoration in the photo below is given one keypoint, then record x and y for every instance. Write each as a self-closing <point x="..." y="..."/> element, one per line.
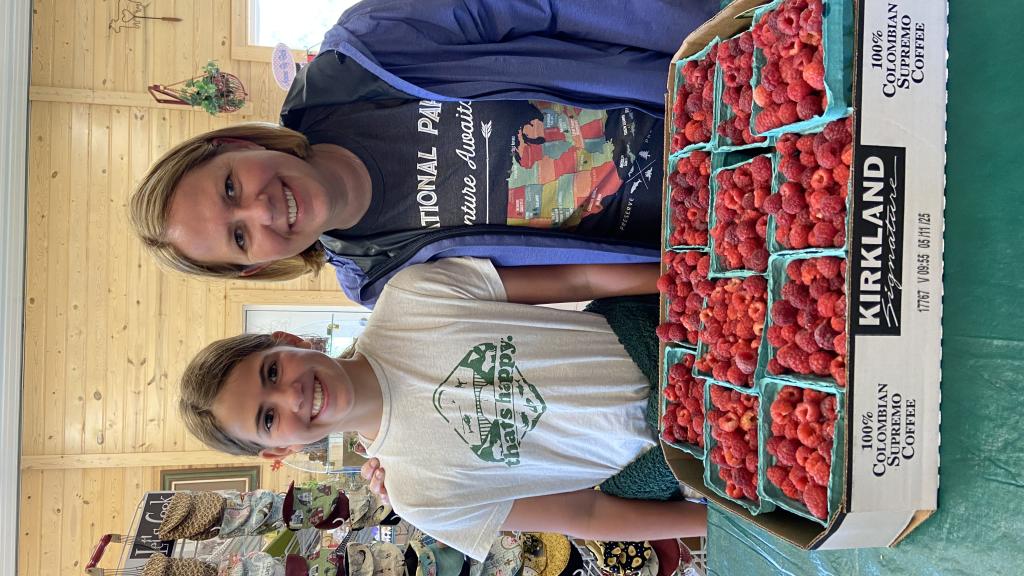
<point x="214" y="91"/>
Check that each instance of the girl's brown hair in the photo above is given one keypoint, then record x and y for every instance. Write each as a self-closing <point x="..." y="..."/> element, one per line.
<point x="203" y="380"/>
<point x="149" y="202"/>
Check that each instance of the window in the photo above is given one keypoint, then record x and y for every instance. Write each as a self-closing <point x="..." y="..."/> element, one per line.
<point x="331" y="329"/>
<point x="300" y="25"/>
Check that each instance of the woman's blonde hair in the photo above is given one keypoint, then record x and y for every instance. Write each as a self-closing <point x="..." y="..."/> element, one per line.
<point x="202" y="381"/>
<point x="151" y="199"/>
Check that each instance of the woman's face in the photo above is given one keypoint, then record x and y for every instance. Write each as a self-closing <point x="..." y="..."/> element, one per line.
<point x="248" y="206"/>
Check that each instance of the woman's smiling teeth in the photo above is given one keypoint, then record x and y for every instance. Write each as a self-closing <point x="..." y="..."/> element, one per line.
<point x="318" y="399"/>
<point x="293" y="210"/>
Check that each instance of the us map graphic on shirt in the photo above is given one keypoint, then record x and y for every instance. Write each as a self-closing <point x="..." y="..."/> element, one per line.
<point x="564" y="166"/>
<point x="527" y="163"/>
<point x="488" y="402"/>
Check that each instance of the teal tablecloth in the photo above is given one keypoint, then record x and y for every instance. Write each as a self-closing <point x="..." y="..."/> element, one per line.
<point x="979" y="527"/>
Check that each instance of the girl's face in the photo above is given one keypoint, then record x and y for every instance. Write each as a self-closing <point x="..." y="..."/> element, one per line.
<point x="248" y="206"/>
<point x="284" y="397"/>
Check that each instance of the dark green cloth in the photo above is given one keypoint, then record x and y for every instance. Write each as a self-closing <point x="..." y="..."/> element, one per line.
<point x="633" y="319"/>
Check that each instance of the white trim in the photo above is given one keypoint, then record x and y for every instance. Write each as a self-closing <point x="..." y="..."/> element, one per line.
<point x="15" y="28"/>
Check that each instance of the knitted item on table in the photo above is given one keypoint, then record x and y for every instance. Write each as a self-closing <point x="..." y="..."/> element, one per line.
<point x="634" y="319"/>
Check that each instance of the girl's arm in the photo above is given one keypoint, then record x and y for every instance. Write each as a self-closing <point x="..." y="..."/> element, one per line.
<point x="593" y="515"/>
<point x="577" y="282"/>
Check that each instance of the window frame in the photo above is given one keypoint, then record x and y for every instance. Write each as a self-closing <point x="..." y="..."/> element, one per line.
<point x="241" y="48"/>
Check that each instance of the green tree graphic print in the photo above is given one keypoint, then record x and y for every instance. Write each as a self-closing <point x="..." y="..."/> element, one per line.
<point x="488" y="402"/>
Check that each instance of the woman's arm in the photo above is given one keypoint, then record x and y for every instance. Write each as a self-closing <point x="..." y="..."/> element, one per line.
<point x="577" y="282"/>
<point x="594" y="515"/>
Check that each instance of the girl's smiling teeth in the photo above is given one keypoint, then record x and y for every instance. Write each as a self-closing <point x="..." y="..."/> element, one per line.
<point x="318" y="399"/>
<point x="293" y="209"/>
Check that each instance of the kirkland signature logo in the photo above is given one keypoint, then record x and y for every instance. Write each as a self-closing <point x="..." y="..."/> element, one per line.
<point x="877" y="254"/>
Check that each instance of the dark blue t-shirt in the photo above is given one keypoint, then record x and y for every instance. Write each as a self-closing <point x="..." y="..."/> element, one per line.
<point x="517" y="163"/>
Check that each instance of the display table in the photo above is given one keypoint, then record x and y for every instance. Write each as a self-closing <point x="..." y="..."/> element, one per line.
<point x="976" y="529"/>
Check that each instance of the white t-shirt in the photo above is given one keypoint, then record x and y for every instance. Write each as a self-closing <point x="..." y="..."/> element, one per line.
<point x="487" y="402"/>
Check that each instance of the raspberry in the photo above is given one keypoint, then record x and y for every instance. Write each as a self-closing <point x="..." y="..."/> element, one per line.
<point x="746" y="362"/>
<point x="789" y="489"/>
<point x="807" y="412"/>
<point x="783" y="313"/>
<point x="761" y="169"/>
<point x="816" y="499"/>
<point x="797" y="359"/>
<point x="823" y="234"/>
<point x="817" y="469"/>
<point x="777" y="474"/>
<point x="819" y="362"/>
<point x="824" y="336"/>
<point x="837" y="369"/>
<point x="809" y="107"/>
<point x="828" y="407"/>
<point x="663" y="332"/>
<point x="798" y="476"/>
<point x="809" y="434"/>
<point x="838" y="132"/>
<point x="805" y="340"/>
<point x="794" y="203"/>
<point x="802" y="452"/>
<point x="780" y="408"/>
<point x="828" y="155"/>
<point x="839" y="344"/>
<point x="797" y="295"/>
<point x="786" y="452"/>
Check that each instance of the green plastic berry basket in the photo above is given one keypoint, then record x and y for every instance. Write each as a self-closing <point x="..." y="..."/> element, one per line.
<point x="718" y="269"/>
<point x="778" y="179"/>
<point x="837" y="47"/>
<point x="711" y="479"/>
<point x="674" y="355"/>
<point x="702" y="349"/>
<point x="725" y="113"/>
<point x="677" y="79"/>
<point x="666" y="232"/>
<point x="770" y="492"/>
<point x="776" y="279"/>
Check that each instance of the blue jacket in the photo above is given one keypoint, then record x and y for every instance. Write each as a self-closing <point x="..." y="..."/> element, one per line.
<point x="590" y="53"/>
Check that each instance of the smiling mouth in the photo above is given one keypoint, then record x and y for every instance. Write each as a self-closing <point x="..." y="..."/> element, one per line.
<point x="318" y="399"/>
<point x="293" y="209"/>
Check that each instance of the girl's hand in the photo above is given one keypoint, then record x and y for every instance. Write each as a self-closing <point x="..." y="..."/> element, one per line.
<point x="374" y="475"/>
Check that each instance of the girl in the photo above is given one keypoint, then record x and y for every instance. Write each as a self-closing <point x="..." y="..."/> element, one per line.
<point x="488" y="415"/>
<point x="526" y="132"/>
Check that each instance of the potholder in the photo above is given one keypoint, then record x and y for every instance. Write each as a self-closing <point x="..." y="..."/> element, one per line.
<point x="251" y="513"/>
<point x="251" y="564"/>
<point x="365" y="508"/>
<point x="323" y="507"/>
<point x="505" y="558"/>
<point x="621" y="558"/>
<point x="375" y="559"/>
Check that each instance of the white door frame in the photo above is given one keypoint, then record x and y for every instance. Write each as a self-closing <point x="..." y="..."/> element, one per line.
<point x="15" y="56"/>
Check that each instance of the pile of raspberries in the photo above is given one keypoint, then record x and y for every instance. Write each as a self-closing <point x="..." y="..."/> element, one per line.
<point x="735" y="58"/>
<point x="734" y="428"/>
<point x="803" y="424"/>
<point x="683" y="421"/>
<point x="740" y="223"/>
<point x="808" y="327"/>
<point x="685" y="284"/>
<point x="689" y="196"/>
<point x="733" y="320"/>
<point x="810" y="208"/>
<point x="791" y="87"/>
<point x="693" y="112"/>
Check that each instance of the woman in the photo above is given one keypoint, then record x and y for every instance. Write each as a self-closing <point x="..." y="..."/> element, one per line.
<point x="524" y="132"/>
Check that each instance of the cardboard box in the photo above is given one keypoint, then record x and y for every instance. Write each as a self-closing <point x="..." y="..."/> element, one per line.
<point x="894" y="278"/>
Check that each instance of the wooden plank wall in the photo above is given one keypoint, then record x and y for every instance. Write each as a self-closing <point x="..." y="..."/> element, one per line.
<point x="107" y="332"/>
